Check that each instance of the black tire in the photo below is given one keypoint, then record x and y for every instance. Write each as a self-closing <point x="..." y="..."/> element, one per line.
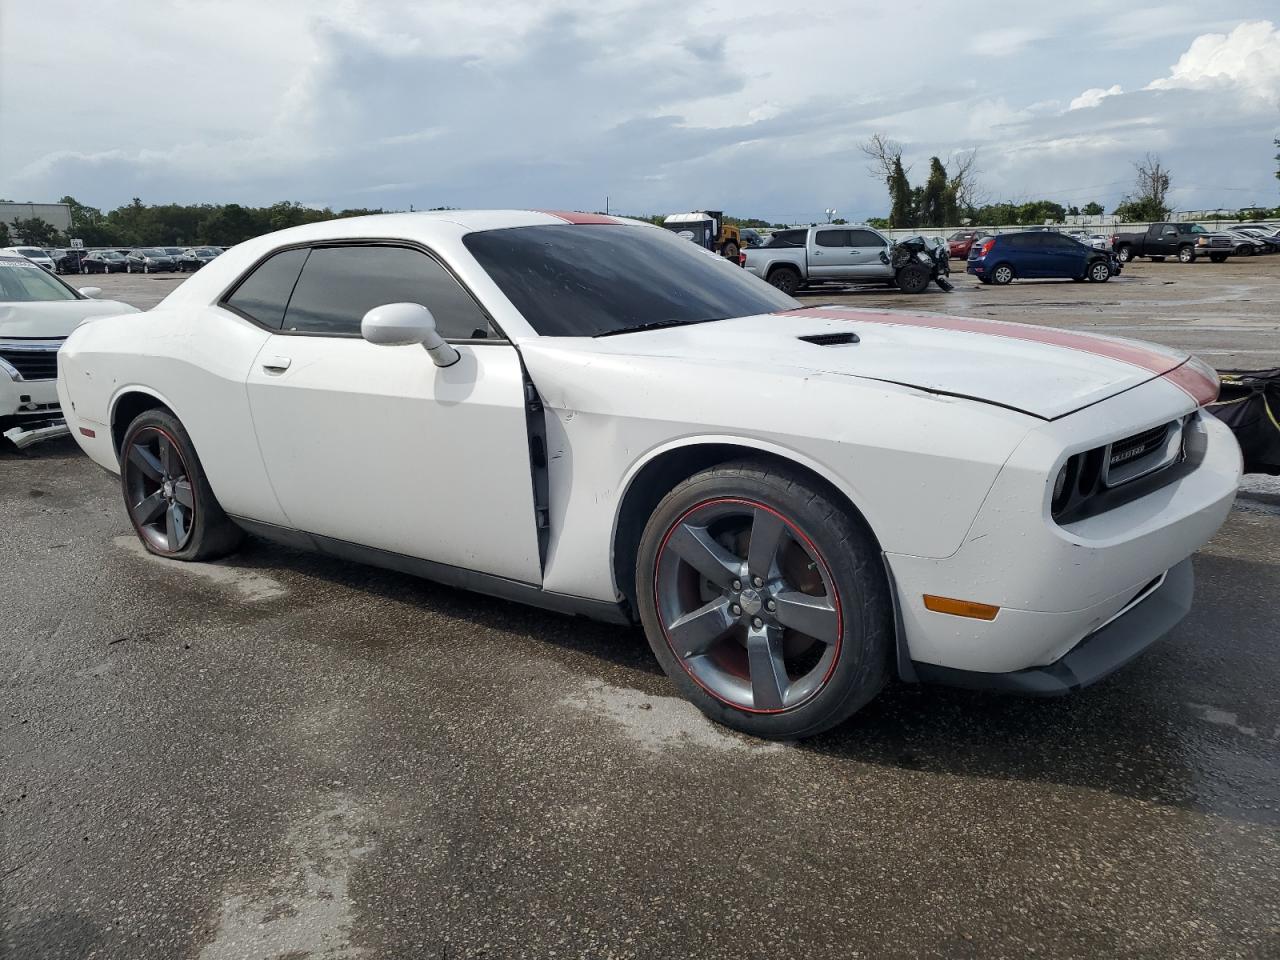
<point x="730" y="251"/>
<point x="1099" y="271"/>
<point x="1244" y="251"/>
<point x="1217" y="258"/>
<point x="1002" y="274"/>
<point x="785" y="279"/>
<point x="850" y="561"/>
<point x="913" y="278"/>
<point x="211" y="534"/>
<point x="1186" y="254"/>
<point x="1125" y="253"/>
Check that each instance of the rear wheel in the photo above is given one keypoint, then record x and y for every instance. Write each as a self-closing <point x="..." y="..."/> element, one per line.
<point x="1186" y="254"/>
<point x="1099" y="271"/>
<point x="168" y="498"/>
<point x="1002" y="274"/>
<point x="1218" y="258"/>
<point x="764" y="600"/>
<point x="785" y="279"/>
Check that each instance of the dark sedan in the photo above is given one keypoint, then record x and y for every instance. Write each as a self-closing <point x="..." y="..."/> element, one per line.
<point x="150" y="260"/>
<point x="68" y="261"/>
<point x="195" y="258"/>
<point x="103" y="261"/>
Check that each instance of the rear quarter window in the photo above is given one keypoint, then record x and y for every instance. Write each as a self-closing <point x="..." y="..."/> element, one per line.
<point x="263" y="295"/>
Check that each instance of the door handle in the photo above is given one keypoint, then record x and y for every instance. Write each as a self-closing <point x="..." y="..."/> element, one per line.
<point x="276" y="364"/>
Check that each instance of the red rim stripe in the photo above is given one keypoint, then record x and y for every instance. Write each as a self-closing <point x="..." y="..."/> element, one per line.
<point x="1189" y="379"/>
<point x="569" y="216"/>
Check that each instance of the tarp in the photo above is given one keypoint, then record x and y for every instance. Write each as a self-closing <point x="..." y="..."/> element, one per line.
<point x="1250" y="405"/>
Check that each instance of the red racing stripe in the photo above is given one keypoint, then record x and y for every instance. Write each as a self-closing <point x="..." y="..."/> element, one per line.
<point x="568" y="216"/>
<point x="1177" y="371"/>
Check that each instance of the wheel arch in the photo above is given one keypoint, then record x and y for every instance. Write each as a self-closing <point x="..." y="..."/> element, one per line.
<point x="663" y="468"/>
<point x="783" y="265"/>
<point x="126" y="404"/>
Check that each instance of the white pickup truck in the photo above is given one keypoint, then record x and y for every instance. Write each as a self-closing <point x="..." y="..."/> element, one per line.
<point x="792" y="259"/>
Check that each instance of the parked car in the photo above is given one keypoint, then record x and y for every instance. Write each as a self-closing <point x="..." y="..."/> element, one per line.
<point x="37" y="311"/>
<point x="66" y="261"/>
<point x="593" y="415"/>
<point x="1271" y="231"/>
<point x="149" y="260"/>
<point x="796" y="258"/>
<point x="1251" y="242"/>
<point x="1186" y="241"/>
<point x="37" y="256"/>
<point x="958" y="243"/>
<point x="1039" y="254"/>
<point x="103" y="261"/>
<point x="195" y="258"/>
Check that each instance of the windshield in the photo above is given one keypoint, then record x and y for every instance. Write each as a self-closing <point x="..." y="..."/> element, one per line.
<point x="111" y="255"/>
<point x="31" y="252"/>
<point x="152" y="252"/>
<point x="590" y="279"/>
<point x="22" y="281"/>
<point x="1195" y="228"/>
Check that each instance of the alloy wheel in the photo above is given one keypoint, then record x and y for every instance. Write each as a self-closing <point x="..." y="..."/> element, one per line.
<point x="1100" y="272"/>
<point x="158" y="490"/>
<point x="748" y="605"/>
<point x="1003" y="274"/>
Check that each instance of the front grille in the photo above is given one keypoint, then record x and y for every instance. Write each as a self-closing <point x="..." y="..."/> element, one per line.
<point x="32" y="364"/>
<point x="1139" y="445"/>
<point x="1224" y="242"/>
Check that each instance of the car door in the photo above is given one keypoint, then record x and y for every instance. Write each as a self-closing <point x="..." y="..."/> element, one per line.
<point x="1062" y="256"/>
<point x="831" y="255"/>
<point x="1167" y="245"/>
<point x="376" y="445"/>
<point x="869" y="250"/>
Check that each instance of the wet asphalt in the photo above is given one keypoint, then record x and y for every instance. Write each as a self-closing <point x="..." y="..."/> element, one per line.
<point x="281" y="755"/>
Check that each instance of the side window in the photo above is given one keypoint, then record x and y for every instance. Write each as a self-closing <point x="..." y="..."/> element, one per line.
<point x="1021" y="241"/>
<point x="1170" y="231"/>
<point x="788" y="238"/>
<point x="339" y="285"/>
<point x="831" y="238"/>
<point x="264" y="294"/>
<point x="864" y="238"/>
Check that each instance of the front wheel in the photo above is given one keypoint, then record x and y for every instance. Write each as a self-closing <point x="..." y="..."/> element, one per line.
<point x="1245" y="251"/>
<point x="1186" y="255"/>
<point x="168" y="498"/>
<point x="1099" y="271"/>
<point x="764" y="600"/>
<point x="913" y="278"/>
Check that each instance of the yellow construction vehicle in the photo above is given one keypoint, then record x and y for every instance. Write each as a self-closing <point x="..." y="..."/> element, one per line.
<point x="707" y="229"/>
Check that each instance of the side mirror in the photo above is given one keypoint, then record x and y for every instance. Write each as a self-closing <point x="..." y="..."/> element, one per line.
<point x="404" y="324"/>
<point x="90" y="292"/>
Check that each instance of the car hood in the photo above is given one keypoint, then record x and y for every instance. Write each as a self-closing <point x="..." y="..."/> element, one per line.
<point x="1040" y="371"/>
<point x="54" y="319"/>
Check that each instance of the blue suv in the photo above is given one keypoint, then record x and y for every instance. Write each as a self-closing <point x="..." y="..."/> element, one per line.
<point x="1039" y="254"/>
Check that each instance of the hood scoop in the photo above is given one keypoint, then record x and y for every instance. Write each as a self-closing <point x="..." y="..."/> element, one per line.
<point x="831" y="339"/>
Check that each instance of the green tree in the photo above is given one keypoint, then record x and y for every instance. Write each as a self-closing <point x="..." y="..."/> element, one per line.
<point x="1093" y="209"/>
<point x="1151" y="189"/>
<point x="900" y="210"/>
<point x="933" y="199"/>
<point x="35" y="231"/>
<point x="4" y="234"/>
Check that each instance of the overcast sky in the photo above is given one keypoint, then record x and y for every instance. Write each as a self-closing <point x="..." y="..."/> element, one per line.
<point x="753" y="106"/>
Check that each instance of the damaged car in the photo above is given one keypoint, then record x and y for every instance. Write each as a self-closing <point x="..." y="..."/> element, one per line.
<point x="591" y="415"/>
<point x="37" y="312"/>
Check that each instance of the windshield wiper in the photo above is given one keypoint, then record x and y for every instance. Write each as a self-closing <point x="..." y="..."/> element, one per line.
<point x="655" y="325"/>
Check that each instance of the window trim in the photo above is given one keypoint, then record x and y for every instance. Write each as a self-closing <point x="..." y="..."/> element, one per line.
<point x="310" y="245"/>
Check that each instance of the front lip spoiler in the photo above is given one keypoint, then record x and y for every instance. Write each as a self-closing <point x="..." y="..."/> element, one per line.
<point x="1098" y="655"/>
<point x="24" y="436"/>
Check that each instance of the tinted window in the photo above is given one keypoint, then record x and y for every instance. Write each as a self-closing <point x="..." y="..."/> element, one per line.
<point x="1022" y="241"/>
<point x="339" y="285"/>
<point x="831" y="238"/>
<point x="264" y="294"/>
<point x="590" y="279"/>
<point x="864" y="238"/>
<point x="787" y="238"/>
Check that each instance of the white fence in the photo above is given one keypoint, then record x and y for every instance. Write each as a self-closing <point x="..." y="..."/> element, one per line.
<point x="1106" y="227"/>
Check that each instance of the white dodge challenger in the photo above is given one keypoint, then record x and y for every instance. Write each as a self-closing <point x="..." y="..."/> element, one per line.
<point x="593" y="415"/>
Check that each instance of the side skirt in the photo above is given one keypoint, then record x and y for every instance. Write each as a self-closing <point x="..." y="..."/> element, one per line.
<point x="452" y="576"/>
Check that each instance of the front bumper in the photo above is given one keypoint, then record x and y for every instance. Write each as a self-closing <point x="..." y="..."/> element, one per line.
<point x="1056" y="584"/>
<point x="1153" y="614"/>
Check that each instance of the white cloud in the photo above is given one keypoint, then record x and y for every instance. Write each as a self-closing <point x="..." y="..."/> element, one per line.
<point x="1094" y="96"/>
<point x="1247" y="59"/>
<point x="1004" y="41"/>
